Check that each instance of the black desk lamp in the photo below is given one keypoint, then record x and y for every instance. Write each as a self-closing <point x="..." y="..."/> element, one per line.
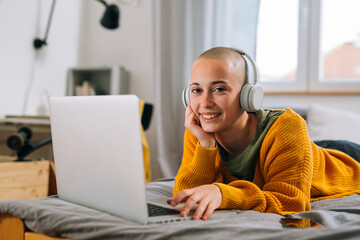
<point x="20" y="142"/>
<point x="111" y="16"/>
<point x="109" y="20"/>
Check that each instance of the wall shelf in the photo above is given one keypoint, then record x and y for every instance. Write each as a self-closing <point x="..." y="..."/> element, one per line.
<point x="103" y="81"/>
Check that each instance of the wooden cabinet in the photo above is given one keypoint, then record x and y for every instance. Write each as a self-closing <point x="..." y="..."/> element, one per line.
<point x="26" y="179"/>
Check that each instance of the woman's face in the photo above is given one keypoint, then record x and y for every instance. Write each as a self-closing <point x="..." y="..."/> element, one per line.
<point x="214" y="93"/>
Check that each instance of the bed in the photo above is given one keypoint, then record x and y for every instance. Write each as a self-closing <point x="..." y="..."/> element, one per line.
<point x="53" y="218"/>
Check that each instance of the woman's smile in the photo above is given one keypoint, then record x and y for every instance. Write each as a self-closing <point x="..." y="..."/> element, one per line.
<point x="209" y="116"/>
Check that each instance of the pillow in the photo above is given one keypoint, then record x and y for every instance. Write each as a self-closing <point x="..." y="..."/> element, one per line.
<point x="327" y="123"/>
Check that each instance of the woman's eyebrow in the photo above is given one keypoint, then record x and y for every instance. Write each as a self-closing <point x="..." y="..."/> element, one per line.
<point x="217" y="82"/>
<point x="212" y="83"/>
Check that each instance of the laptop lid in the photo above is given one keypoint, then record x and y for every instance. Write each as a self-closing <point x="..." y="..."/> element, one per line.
<point x="98" y="153"/>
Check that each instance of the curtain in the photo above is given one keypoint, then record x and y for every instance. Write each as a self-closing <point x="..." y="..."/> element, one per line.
<point x="184" y="29"/>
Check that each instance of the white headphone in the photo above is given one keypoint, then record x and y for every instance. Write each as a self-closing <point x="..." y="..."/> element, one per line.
<point x="251" y="95"/>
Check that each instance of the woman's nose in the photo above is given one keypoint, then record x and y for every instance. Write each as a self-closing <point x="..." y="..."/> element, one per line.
<point x="207" y="99"/>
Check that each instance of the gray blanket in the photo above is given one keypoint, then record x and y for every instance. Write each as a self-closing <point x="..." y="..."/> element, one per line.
<point x="55" y="217"/>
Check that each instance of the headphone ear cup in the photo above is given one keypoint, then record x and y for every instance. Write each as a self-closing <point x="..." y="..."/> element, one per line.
<point x="251" y="97"/>
<point x="186" y="96"/>
<point x="256" y="97"/>
<point x="244" y="97"/>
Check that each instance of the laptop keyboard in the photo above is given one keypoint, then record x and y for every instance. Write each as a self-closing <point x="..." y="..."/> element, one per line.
<point x="155" y="210"/>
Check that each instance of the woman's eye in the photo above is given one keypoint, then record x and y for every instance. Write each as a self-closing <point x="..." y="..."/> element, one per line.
<point x="219" y="89"/>
<point x="195" y="90"/>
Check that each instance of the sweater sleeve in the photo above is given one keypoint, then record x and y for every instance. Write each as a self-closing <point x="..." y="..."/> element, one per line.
<point x="286" y="168"/>
<point x="199" y="165"/>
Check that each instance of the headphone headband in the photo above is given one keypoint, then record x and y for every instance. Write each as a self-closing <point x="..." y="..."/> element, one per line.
<point x="252" y="62"/>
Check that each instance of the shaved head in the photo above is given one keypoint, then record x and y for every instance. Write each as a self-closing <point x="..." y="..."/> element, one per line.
<point x="232" y="57"/>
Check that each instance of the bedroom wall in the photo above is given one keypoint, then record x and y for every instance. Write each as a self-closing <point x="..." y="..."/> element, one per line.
<point x="131" y="46"/>
<point x="20" y="22"/>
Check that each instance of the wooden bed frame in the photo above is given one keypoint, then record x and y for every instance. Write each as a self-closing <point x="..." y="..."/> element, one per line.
<point x="13" y="228"/>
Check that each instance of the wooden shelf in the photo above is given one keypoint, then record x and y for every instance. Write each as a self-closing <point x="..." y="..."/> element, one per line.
<point x="103" y="80"/>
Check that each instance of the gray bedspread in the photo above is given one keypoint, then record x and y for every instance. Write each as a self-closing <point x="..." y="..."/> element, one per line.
<point x="55" y="217"/>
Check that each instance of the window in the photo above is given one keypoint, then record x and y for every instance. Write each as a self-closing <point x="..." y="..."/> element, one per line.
<point x="277" y="39"/>
<point x="309" y="46"/>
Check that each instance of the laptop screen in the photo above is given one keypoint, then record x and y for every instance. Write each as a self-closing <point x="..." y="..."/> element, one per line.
<point x="98" y="153"/>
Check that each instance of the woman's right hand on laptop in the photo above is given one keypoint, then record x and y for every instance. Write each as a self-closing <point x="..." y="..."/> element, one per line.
<point x="207" y="197"/>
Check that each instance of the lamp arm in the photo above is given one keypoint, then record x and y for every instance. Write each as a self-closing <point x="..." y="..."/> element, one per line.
<point x="50" y="18"/>
<point x="129" y="3"/>
<point x="38" y="43"/>
<point x="103" y="2"/>
<point x="29" y="147"/>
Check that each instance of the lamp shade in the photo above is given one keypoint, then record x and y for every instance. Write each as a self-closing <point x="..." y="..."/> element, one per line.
<point x="110" y="19"/>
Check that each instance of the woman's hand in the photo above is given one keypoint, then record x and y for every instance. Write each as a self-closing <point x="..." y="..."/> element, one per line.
<point x="192" y="123"/>
<point x="208" y="197"/>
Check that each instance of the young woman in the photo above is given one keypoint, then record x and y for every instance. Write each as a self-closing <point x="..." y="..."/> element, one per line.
<point x="262" y="160"/>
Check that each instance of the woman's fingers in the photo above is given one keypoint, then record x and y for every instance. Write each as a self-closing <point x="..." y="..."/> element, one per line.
<point x="209" y="211"/>
<point x="191" y="119"/>
<point x="182" y="196"/>
<point x="207" y="197"/>
<point x="205" y="209"/>
<point x="190" y="203"/>
<point x="202" y="206"/>
<point x="192" y="123"/>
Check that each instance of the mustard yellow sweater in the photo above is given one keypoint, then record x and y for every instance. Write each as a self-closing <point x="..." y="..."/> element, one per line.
<point x="291" y="171"/>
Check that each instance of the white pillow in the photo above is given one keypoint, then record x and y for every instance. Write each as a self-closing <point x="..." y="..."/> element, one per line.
<point x="327" y="123"/>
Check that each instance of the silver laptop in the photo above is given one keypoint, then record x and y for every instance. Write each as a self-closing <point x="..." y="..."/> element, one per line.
<point x="98" y="156"/>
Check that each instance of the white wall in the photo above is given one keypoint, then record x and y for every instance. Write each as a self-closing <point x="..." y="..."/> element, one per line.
<point x="131" y="46"/>
<point x="20" y="22"/>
